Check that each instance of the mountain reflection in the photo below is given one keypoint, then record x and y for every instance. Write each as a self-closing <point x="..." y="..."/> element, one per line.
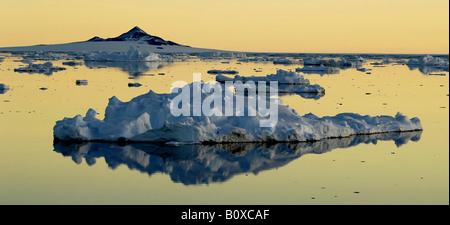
<point x="133" y="68"/>
<point x="204" y="164"/>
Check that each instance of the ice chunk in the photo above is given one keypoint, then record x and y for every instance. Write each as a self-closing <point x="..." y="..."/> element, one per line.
<point x="3" y="88"/>
<point x="223" y="72"/>
<point x="81" y="82"/>
<point x="134" y="84"/>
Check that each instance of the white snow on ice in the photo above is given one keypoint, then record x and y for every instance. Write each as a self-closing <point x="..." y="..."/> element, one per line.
<point x="147" y="118"/>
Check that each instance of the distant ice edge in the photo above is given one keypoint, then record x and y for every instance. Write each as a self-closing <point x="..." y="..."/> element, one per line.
<point x="147" y="118"/>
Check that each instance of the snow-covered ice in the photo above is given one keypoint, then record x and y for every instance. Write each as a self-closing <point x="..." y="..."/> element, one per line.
<point x="148" y="118"/>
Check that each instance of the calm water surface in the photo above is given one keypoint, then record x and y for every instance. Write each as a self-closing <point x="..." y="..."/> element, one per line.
<point x="397" y="168"/>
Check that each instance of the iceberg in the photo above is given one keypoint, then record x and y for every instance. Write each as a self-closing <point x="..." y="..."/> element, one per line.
<point x="45" y="68"/>
<point x="206" y="164"/>
<point x="148" y="118"/>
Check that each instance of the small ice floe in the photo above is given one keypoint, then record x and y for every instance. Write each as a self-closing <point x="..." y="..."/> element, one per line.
<point x="315" y="88"/>
<point x="81" y="82"/>
<point x="206" y="164"/>
<point x="132" y="55"/>
<point x="284" y="61"/>
<point x="282" y="77"/>
<point x="429" y="64"/>
<point x="255" y="59"/>
<point x="222" y="55"/>
<point x="364" y="69"/>
<point x="134" y="84"/>
<point x="437" y="74"/>
<point x="223" y="72"/>
<point x="45" y="68"/>
<point x="321" y="69"/>
<point x="72" y="63"/>
<point x="342" y="62"/>
<point x="150" y="118"/>
<point x="3" y="88"/>
<point x="42" y="56"/>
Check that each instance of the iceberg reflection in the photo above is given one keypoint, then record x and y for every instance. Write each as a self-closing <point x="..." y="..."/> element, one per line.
<point x="204" y="164"/>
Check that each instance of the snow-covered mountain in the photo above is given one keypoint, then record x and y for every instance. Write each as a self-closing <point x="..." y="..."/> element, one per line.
<point x="135" y="38"/>
<point x="136" y="34"/>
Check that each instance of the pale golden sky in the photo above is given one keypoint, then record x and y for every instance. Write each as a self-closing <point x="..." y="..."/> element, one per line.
<point x="307" y="26"/>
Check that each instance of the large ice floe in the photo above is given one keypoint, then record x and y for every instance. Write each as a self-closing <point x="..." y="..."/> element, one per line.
<point x="205" y="164"/>
<point x="150" y="118"/>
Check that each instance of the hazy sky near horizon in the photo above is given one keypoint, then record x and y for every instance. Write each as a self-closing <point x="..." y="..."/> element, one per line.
<point x="309" y="26"/>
